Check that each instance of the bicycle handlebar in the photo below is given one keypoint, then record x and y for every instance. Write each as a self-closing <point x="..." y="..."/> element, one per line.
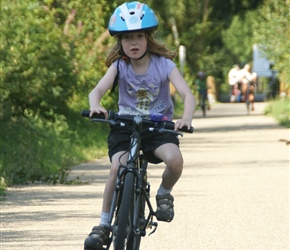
<point x="113" y="118"/>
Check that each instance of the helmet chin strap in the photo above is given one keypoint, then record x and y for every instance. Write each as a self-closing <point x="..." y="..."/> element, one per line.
<point x="142" y="55"/>
<point x="122" y="53"/>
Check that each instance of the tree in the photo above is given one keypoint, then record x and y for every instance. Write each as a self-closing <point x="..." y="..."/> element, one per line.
<point x="238" y="39"/>
<point x="49" y="53"/>
<point x="37" y="68"/>
<point x="271" y="31"/>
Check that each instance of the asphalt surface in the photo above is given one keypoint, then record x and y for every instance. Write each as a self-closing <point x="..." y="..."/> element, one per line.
<point x="233" y="194"/>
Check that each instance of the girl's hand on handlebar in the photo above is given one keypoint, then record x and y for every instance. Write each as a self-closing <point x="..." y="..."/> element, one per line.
<point x="182" y="123"/>
<point x="98" y="110"/>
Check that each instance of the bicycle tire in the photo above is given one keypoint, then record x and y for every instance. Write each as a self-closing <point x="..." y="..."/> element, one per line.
<point x="139" y="204"/>
<point x="203" y="107"/>
<point x="136" y="239"/>
<point x="248" y="106"/>
<point x="247" y="100"/>
<point x="124" y="217"/>
<point x="203" y="111"/>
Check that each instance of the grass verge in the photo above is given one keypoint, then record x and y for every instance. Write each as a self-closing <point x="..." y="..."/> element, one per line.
<point x="280" y="110"/>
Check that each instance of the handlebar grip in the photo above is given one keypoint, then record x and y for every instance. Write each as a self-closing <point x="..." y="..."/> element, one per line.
<point x="170" y="125"/>
<point x="86" y="113"/>
<point x="185" y="129"/>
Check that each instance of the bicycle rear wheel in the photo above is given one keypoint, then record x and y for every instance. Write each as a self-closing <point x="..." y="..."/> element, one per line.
<point x="203" y="107"/>
<point x="248" y="106"/>
<point x="123" y="225"/>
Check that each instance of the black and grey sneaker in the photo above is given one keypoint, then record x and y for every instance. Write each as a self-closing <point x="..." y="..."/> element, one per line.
<point x="97" y="238"/>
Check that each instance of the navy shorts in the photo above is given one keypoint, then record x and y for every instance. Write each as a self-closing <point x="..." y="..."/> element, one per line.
<point x="119" y="140"/>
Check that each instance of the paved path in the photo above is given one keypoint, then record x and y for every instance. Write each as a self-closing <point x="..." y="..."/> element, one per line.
<point x="233" y="194"/>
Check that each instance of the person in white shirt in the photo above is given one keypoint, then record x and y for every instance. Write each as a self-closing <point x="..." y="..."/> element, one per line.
<point x="235" y="81"/>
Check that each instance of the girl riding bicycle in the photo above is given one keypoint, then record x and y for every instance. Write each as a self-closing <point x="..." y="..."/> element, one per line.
<point x="143" y="69"/>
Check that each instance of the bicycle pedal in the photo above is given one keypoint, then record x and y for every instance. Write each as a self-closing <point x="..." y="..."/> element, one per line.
<point x="153" y="224"/>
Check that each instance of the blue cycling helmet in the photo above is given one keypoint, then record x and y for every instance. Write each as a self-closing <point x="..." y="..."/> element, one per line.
<point x="132" y="16"/>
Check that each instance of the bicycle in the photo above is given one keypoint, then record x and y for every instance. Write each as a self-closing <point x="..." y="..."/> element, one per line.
<point x="131" y="212"/>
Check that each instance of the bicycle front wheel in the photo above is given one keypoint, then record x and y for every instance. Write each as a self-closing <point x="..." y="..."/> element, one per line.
<point x="248" y="100"/>
<point x="123" y="225"/>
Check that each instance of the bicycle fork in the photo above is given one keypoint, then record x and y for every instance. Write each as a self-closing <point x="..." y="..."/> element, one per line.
<point x="140" y="223"/>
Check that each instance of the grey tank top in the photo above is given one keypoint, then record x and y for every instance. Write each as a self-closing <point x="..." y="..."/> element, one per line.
<point x="147" y="93"/>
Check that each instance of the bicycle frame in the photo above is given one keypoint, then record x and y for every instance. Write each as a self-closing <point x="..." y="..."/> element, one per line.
<point x="132" y="191"/>
<point x="137" y="165"/>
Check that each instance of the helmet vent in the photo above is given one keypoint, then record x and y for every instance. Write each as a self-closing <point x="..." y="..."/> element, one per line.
<point x="122" y="17"/>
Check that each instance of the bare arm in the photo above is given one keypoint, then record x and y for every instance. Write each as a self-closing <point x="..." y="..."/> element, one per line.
<point x="101" y="88"/>
<point x="188" y="98"/>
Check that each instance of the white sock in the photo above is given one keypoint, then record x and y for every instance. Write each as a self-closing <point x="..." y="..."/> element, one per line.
<point x="163" y="191"/>
<point x="104" y="219"/>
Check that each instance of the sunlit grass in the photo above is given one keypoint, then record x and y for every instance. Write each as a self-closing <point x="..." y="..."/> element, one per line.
<point x="280" y="110"/>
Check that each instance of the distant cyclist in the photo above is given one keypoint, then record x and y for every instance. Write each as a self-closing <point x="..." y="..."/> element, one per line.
<point x="201" y="86"/>
<point x="248" y="79"/>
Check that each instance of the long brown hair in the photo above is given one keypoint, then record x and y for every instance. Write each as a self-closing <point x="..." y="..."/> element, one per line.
<point x="153" y="46"/>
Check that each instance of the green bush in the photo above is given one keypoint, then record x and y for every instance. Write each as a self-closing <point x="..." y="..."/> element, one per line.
<point x="37" y="150"/>
<point x="48" y="65"/>
<point x="31" y="151"/>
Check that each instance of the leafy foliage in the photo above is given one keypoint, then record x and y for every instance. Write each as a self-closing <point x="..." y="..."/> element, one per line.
<point x="238" y="39"/>
<point x="272" y="31"/>
<point x="48" y="62"/>
<point x="38" y="70"/>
